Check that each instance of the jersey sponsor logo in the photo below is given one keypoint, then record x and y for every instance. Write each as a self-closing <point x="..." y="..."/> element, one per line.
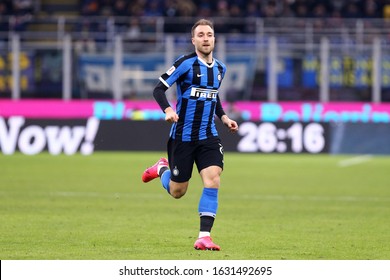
<point x="209" y="94"/>
<point x="171" y="70"/>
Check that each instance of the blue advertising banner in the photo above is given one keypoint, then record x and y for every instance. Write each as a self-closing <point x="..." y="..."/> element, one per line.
<point x="350" y="71"/>
<point x="285" y="71"/>
<point x="336" y="72"/>
<point x="310" y="66"/>
<point x="385" y="71"/>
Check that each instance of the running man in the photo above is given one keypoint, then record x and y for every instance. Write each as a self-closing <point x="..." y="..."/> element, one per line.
<point x="193" y="136"/>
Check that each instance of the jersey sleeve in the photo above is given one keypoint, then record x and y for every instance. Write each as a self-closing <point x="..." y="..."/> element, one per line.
<point x="219" y="109"/>
<point x="180" y="67"/>
<point x="160" y="97"/>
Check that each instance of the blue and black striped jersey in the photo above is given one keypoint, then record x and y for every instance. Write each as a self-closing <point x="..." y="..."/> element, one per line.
<point x="197" y="92"/>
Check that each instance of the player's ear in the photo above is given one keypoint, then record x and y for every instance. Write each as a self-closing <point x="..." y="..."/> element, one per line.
<point x="193" y="40"/>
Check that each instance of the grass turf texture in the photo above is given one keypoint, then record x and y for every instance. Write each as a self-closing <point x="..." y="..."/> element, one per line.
<point x="271" y="207"/>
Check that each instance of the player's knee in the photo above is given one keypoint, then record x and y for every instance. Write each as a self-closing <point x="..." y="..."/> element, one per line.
<point x="177" y="193"/>
<point x="177" y="190"/>
<point x="213" y="182"/>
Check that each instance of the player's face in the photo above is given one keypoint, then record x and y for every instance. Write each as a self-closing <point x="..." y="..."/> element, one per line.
<point x="204" y="39"/>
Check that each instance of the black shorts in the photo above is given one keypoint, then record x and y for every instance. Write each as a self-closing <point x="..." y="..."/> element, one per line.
<point x="183" y="155"/>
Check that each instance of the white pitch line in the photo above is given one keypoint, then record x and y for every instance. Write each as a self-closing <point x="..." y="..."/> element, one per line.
<point x="354" y="160"/>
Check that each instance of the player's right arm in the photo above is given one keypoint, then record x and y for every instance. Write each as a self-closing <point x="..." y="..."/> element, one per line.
<point x="170" y="115"/>
<point x="161" y="98"/>
<point x="180" y="67"/>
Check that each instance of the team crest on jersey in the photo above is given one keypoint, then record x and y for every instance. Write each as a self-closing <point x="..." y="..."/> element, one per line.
<point x="171" y="70"/>
<point x="175" y="171"/>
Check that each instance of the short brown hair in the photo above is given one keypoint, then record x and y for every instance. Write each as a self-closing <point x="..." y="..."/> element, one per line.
<point x="202" y="22"/>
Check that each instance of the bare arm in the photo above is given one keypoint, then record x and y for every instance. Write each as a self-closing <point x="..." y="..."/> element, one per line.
<point x="231" y="124"/>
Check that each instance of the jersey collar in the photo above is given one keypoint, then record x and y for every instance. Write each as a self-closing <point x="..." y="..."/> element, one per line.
<point x="205" y="63"/>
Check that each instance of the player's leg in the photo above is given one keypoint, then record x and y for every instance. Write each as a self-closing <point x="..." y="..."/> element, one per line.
<point x="208" y="206"/>
<point x="154" y="171"/>
<point x="210" y="164"/>
<point x="175" y="174"/>
<point x="181" y="162"/>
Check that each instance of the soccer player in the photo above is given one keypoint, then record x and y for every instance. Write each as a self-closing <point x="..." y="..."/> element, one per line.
<point x="193" y="135"/>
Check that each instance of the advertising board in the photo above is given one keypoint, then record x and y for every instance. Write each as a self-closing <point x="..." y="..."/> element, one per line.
<point x="354" y="112"/>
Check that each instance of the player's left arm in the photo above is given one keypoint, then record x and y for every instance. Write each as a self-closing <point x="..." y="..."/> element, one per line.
<point x="231" y="124"/>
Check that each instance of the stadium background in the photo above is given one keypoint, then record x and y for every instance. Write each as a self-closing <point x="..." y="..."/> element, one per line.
<point x="304" y="77"/>
<point x="329" y="60"/>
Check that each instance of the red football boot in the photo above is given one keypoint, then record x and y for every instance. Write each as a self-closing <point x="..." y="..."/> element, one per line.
<point x="152" y="172"/>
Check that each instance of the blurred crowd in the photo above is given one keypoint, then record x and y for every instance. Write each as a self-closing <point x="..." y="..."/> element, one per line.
<point x="233" y="10"/>
<point x="22" y="10"/>
<point x="218" y="8"/>
<point x="237" y="8"/>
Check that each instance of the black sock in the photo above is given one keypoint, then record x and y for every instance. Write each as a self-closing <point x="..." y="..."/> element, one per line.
<point x="206" y="223"/>
<point x="162" y="170"/>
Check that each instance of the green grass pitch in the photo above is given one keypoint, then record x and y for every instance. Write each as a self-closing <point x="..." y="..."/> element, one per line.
<point x="271" y="207"/>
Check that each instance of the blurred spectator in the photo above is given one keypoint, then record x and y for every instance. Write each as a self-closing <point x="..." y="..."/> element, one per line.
<point x="22" y="12"/>
<point x="301" y="11"/>
<point x="170" y="8"/>
<point x="204" y="9"/>
<point x="222" y="8"/>
<point x="236" y="25"/>
<point x="252" y="10"/>
<point x="301" y="8"/>
<point x="171" y="11"/>
<point x="386" y="11"/>
<point x="186" y="8"/>
<point x="320" y="10"/>
<point x="106" y="8"/>
<point x="271" y="9"/>
<point x="5" y="10"/>
<point x="320" y="14"/>
<point x="138" y="8"/>
<point x="222" y="11"/>
<point x="90" y="7"/>
<point x="153" y="9"/>
<point x="85" y="43"/>
<point x="337" y="5"/>
<point x="351" y="10"/>
<point x="6" y="7"/>
<point x="371" y="9"/>
<point x="120" y="8"/>
<point x="133" y="33"/>
<point x="23" y="6"/>
<point x="205" y="4"/>
<point x="287" y="11"/>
